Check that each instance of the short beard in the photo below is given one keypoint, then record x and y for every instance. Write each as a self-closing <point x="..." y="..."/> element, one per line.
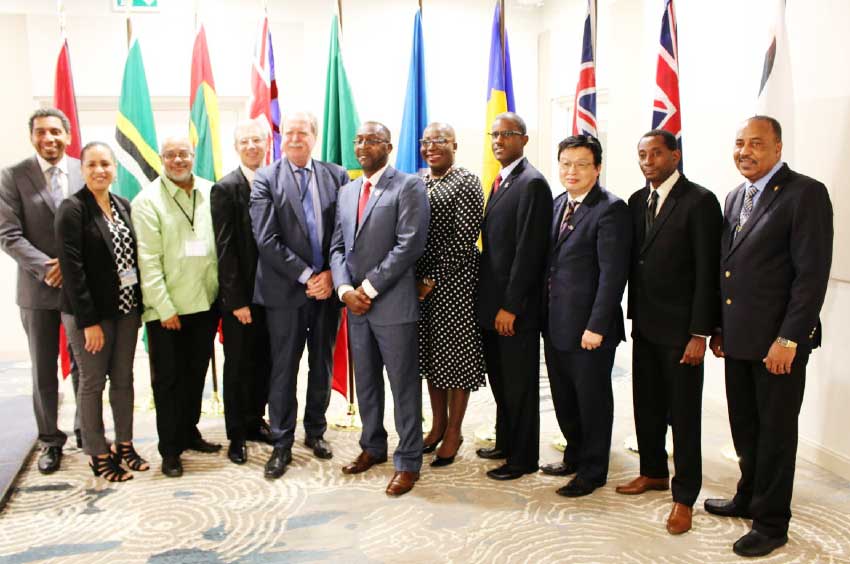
<point x="181" y="178"/>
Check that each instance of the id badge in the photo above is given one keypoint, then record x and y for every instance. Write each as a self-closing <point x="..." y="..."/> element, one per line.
<point x="128" y="277"/>
<point x="196" y="248"/>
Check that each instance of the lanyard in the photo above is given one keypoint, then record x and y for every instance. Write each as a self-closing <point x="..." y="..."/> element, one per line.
<point x="191" y="220"/>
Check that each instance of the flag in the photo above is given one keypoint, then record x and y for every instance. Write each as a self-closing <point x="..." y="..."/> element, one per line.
<point x="340" y="121"/>
<point x="500" y="97"/>
<point x="584" y="106"/>
<point x="137" y="150"/>
<point x="65" y="100"/>
<point x="263" y="103"/>
<point x="203" y="120"/>
<point x="776" y="91"/>
<point x="338" y="130"/>
<point x="415" y="118"/>
<point x="666" y="109"/>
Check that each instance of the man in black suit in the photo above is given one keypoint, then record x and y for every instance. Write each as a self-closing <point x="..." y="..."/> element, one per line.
<point x="514" y="236"/>
<point x="776" y="252"/>
<point x="673" y="307"/>
<point x="586" y="271"/>
<point x="293" y="205"/>
<point x="30" y="194"/>
<point x="247" y="359"/>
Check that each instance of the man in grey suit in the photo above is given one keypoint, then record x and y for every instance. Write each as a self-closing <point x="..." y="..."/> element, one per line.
<point x="381" y="230"/>
<point x="30" y="194"/>
<point x="293" y="204"/>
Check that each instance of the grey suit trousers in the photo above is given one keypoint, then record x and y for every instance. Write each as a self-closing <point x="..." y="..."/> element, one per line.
<point x="42" y="329"/>
<point x="115" y="359"/>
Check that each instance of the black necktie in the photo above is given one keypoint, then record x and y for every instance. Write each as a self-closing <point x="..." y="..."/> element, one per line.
<point x="651" y="209"/>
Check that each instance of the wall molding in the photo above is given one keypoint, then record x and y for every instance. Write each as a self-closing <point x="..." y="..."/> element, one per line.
<point x="824" y="457"/>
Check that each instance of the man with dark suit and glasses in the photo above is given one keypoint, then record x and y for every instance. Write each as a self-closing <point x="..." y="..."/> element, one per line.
<point x="30" y="194"/>
<point x="514" y="237"/>
<point x="775" y="256"/>
<point x="293" y="205"/>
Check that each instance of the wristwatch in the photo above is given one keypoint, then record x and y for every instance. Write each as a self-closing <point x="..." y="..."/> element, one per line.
<point x="783" y="342"/>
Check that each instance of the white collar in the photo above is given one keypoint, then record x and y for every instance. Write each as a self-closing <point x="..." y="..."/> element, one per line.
<point x="45" y="166"/>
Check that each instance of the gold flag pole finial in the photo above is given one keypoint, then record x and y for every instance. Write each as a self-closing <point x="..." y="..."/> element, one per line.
<point x="60" y="8"/>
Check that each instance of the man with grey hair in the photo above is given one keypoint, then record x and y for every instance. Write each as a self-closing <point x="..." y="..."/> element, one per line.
<point x="179" y="277"/>
<point x="30" y="194"/>
<point x="293" y="205"/>
<point x="247" y="361"/>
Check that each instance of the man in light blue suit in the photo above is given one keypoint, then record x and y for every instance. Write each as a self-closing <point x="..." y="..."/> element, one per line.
<point x="381" y="228"/>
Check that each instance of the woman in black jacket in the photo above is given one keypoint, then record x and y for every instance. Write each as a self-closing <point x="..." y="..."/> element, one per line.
<point x="101" y="309"/>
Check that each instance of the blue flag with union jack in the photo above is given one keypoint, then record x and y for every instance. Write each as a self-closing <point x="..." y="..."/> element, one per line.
<point x="666" y="109"/>
<point x="584" y="106"/>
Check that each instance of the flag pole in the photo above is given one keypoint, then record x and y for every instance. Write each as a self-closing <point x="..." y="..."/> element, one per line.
<point x="502" y="32"/>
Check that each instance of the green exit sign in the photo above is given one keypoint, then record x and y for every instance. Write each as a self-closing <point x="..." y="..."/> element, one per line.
<point x="136" y="5"/>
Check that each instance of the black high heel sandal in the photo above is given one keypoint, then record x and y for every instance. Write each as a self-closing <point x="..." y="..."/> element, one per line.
<point x="440" y="461"/>
<point x="429" y="448"/>
<point x="109" y="468"/>
<point x="128" y="454"/>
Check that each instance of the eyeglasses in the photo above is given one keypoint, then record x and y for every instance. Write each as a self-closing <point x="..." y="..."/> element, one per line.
<point x="580" y="165"/>
<point x="369" y="141"/>
<point x="183" y="155"/>
<point x="437" y="141"/>
<point x="506" y="134"/>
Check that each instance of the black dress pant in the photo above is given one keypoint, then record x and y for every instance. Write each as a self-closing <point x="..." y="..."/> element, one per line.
<point x="662" y="386"/>
<point x="763" y="413"/>
<point x="513" y="367"/>
<point x="247" y="366"/>
<point x="580" y="382"/>
<point x="179" y="361"/>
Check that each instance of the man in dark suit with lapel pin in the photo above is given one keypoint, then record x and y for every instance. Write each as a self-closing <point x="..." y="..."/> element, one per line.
<point x="514" y="236"/>
<point x="293" y="205"/>
<point x="247" y="357"/>
<point x="381" y="230"/>
<point x="30" y="194"/>
<point x="674" y="309"/>
<point x="775" y="256"/>
<point x="586" y="272"/>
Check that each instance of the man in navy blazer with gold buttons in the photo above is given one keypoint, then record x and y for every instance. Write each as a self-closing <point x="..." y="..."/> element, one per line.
<point x="775" y="256"/>
<point x="587" y="268"/>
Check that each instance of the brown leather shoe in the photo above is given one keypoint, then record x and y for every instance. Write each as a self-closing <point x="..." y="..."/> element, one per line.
<point x="402" y="482"/>
<point x="679" y="520"/>
<point x="642" y="484"/>
<point x="363" y="462"/>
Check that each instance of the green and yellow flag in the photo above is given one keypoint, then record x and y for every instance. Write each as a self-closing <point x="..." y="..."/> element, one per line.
<point x="204" y="123"/>
<point x="340" y="119"/>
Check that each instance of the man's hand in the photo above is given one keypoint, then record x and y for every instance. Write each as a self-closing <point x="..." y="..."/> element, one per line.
<point x="716" y="345"/>
<point x="590" y="340"/>
<point x="694" y="351"/>
<point x="172" y="323"/>
<point x="423" y="290"/>
<point x="779" y="359"/>
<point x="94" y="339"/>
<point x="320" y="286"/>
<point x="505" y="323"/>
<point x="53" y="278"/>
<point x="357" y="301"/>
<point x="243" y="314"/>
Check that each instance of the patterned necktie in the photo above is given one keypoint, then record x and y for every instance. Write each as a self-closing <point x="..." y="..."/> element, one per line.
<point x="364" y="197"/>
<point x="747" y="209"/>
<point x="55" y="185"/>
<point x="310" y="218"/>
<point x="496" y="184"/>
<point x="571" y="209"/>
<point x="651" y="210"/>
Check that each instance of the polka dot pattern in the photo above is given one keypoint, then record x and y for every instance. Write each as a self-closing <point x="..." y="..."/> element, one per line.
<point x="122" y="242"/>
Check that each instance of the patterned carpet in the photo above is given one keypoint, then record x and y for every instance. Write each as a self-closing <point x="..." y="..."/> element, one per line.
<point x="219" y="512"/>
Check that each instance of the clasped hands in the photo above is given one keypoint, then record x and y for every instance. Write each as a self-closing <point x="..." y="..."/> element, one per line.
<point x="357" y="301"/>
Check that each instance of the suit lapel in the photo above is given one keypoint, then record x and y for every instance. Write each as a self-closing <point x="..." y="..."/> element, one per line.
<point x="557" y="216"/>
<point x="765" y="200"/>
<point x="39" y="183"/>
<point x="293" y="193"/>
<point x="664" y="214"/>
<point x="504" y="186"/>
<point x="75" y="177"/>
<point x="376" y="194"/>
<point x="581" y="212"/>
<point x="99" y="220"/>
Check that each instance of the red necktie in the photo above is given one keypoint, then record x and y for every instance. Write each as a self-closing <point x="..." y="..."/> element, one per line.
<point x="497" y="183"/>
<point x="364" y="197"/>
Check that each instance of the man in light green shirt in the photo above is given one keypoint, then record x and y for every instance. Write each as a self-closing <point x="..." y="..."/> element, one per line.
<point x="179" y="279"/>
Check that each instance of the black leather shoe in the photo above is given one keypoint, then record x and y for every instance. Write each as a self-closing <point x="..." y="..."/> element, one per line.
<point x="262" y="434"/>
<point x="508" y="472"/>
<point x="439" y="461"/>
<point x="200" y="445"/>
<point x="726" y="508"/>
<point x="237" y="452"/>
<point x="276" y="466"/>
<point x="172" y="466"/>
<point x="49" y="459"/>
<point x="320" y="447"/>
<point x="559" y="469"/>
<point x="755" y="543"/>
<point x="491" y="453"/>
<point x="577" y="487"/>
<point x="78" y="435"/>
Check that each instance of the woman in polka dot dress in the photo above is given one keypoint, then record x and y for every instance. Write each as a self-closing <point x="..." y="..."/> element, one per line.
<point x="450" y="353"/>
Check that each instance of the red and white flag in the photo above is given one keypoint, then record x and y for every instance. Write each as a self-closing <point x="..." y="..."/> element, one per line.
<point x="263" y="103"/>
